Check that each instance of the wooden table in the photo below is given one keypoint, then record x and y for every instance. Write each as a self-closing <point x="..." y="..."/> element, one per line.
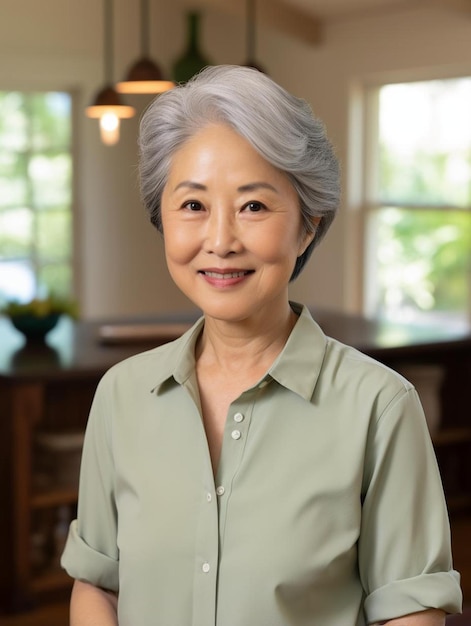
<point x="49" y="388"/>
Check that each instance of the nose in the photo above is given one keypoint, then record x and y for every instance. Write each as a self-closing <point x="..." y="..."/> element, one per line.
<point x="222" y="237"/>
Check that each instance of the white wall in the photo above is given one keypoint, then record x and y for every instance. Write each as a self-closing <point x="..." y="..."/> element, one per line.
<point x="58" y="44"/>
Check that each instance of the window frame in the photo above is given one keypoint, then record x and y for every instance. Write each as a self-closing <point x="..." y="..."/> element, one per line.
<point x="363" y="175"/>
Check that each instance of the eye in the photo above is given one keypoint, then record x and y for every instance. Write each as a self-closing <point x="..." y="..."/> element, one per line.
<point x="193" y="205"/>
<point x="254" y="207"/>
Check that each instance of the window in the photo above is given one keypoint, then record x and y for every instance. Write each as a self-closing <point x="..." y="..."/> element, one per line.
<point x="419" y="201"/>
<point x="35" y="194"/>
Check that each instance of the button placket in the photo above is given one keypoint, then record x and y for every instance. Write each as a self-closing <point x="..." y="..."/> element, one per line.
<point x="234" y="442"/>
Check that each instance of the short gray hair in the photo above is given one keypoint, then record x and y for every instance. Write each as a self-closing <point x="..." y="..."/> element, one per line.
<point x="280" y="126"/>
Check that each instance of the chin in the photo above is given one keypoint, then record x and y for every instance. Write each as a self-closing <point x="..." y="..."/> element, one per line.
<point x="227" y="314"/>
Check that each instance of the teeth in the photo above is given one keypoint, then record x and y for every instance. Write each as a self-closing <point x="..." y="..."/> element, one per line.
<point x="228" y="275"/>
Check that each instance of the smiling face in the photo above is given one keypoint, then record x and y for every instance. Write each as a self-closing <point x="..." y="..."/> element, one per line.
<point x="232" y="227"/>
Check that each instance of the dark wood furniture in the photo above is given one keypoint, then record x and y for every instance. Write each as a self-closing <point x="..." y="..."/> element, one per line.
<point x="49" y="388"/>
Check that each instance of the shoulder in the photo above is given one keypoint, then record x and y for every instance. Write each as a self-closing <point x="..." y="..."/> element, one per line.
<point x="362" y="380"/>
<point x="152" y="361"/>
<point x="340" y="373"/>
<point x="152" y="367"/>
<point x="357" y="363"/>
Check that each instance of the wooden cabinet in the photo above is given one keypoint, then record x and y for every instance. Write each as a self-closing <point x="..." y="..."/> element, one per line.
<point x="45" y="390"/>
<point x="29" y="408"/>
<point x="48" y="389"/>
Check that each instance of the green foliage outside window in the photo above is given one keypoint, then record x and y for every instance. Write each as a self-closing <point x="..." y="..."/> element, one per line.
<point x="423" y="199"/>
<point x="35" y="194"/>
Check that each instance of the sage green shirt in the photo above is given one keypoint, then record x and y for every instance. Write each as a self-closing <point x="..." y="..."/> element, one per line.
<point x="327" y="508"/>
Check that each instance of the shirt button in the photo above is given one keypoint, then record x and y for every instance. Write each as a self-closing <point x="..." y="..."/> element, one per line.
<point x="220" y="490"/>
<point x="235" y="434"/>
<point x="209" y="497"/>
<point x="206" y="567"/>
<point x="238" y="417"/>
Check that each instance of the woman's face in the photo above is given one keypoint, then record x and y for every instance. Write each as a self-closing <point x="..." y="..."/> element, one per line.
<point x="232" y="227"/>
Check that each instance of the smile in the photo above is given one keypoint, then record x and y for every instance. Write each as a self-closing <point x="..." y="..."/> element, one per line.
<point x="226" y="275"/>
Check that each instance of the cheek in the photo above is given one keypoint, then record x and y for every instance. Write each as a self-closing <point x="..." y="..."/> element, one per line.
<point x="278" y="245"/>
<point x="180" y="245"/>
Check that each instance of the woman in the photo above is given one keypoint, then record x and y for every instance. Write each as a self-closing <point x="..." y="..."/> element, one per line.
<point x="254" y="472"/>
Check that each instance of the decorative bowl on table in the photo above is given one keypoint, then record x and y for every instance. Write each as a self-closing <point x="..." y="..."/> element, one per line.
<point x="35" y="328"/>
<point x="36" y="318"/>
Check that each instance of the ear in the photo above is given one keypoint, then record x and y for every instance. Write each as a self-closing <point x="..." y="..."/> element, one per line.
<point x="308" y="237"/>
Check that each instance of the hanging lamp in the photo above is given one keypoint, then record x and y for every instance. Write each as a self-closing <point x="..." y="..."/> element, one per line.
<point x="144" y="76"/>
<point x="251" y="23"/>
<point x="193" y="59"/>
<point x="107" y="106"/>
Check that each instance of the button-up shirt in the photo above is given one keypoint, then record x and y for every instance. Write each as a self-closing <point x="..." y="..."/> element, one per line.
<point x="327" y="507"/>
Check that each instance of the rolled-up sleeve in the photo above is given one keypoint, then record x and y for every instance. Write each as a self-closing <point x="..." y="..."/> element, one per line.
<point x="404" y="551"/>
<point x="91" y="552"/>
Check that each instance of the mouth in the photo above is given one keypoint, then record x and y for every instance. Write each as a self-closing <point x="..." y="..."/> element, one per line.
<point x="226" y="275"/>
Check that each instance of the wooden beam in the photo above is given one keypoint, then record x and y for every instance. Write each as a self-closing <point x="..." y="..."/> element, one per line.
<point x="277" y="14"/>
<point x="464" y="6"/>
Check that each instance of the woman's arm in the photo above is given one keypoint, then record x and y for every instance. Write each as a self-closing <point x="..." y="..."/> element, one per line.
<point x="91" y="606"/>
<point x="432" y="617"/>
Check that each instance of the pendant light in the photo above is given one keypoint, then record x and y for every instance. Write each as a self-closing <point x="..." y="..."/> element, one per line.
<point x="144" y="76"/>
<point x="107" y="106"/>
<point x="193" y="59"/>
<point x="251" y="22"/>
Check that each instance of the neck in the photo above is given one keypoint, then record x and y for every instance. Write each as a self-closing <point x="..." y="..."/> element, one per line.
<point x="245" y="345"/>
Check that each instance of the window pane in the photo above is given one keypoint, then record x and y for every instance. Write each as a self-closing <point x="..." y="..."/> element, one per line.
<point x="17" y="281"/>
<point x="425" y="143"/>
<point x="50" y="113"/>
<point x="50" y="179"/>
<point x="56" y="279"/>
<point x="54" y="234"/>
<point x="423" y="260"/>
<point x="13" y="192"/>
<point x="16" y="233"/>
<point x="14" y="126"/>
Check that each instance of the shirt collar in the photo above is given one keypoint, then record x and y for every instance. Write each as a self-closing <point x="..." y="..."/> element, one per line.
<point x="299" y="364"/>
<point x="177" y="358"/>
<point x="297" y="367"/>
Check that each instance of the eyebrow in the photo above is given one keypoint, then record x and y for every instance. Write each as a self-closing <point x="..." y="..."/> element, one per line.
<point x="191" y="185"/>
<point x="243" y="188"/>
<point x="255" y="186"/>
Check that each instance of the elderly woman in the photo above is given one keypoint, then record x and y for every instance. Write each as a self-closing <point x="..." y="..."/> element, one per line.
<point x="254" y="472"/>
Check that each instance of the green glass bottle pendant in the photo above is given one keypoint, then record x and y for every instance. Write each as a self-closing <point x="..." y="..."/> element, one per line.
<point x="192" y="60"/>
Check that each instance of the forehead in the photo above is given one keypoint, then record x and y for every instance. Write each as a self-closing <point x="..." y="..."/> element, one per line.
<point x="218" y="150"/>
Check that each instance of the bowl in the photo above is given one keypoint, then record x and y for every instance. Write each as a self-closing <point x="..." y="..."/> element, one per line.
<point x="34" y="327"/>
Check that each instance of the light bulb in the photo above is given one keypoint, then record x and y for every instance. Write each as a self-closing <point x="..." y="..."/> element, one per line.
<point x="109" y="128"/>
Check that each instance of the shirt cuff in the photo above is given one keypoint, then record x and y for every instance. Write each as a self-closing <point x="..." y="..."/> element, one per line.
<point x="440" y="590"/>
<point x="82" y="562"/>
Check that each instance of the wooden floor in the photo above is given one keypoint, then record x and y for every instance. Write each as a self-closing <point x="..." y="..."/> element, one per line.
<point x="57" y="614"/>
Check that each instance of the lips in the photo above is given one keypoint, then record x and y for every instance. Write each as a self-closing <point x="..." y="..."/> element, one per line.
<point x="226" y="278"/>
<point x="226" y="275"/>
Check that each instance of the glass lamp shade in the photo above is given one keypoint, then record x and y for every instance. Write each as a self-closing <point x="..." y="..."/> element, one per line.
<point x="192" y="59"/>
<point x="107" y="100"/>
<point x="144" y="77"/>
<point x="108" y="108"/>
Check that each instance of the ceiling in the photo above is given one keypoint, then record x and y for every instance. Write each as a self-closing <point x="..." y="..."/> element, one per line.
<point x="328" y="10"/>
<point x="305" y="19"/>
<point x="341" y="9"/>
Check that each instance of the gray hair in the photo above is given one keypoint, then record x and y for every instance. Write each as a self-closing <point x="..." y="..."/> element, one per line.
<point x="280" y="126"/>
